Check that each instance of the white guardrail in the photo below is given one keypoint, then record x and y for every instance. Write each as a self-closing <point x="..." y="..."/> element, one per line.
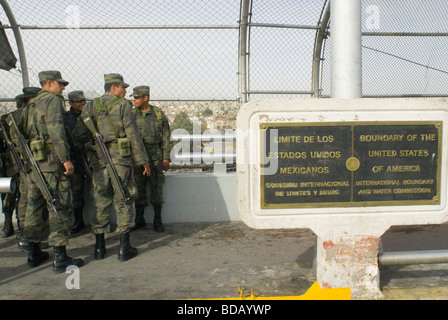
<point x="185" y="149"/>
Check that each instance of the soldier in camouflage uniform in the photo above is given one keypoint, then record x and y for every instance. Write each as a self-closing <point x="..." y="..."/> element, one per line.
<point x="9" y="200"/>
<point x="45" y="131"/>
<point x="19" y="200"/>
<point x="155" y="130"/>
<point x="116" y="123"/>
<point x="77" y="101"/>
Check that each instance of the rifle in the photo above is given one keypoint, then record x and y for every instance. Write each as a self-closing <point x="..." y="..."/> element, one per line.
<point x="81" y="160"/>
<point x="18" y="165"/>
<point x="34" y="166"/>
<point x="103" y="153"/>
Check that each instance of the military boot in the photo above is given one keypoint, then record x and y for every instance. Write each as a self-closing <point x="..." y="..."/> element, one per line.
<point x="21" y="242"/>
<point x="100" y="246"/>
<point x="8" y="227"/>
<point x="36" y="255"/>
<point x="126" y="252"/>
<point x="79" y="221"/>
<point x="158" y="225"/>
<point x="139" y="218"/>
<point x="20" y="238"/>
<point x="62" y="260"/>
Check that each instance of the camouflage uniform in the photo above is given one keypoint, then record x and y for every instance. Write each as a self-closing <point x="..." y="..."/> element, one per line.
<point x="18" y="201"/>
<point x="44" y="121"/>
<point x="117" y="122"/>
<point x="9" y="200"/>
<point x="155" y="130"/>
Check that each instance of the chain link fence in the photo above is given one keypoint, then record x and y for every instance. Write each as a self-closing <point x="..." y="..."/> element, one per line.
<point x="189" y="51"/>
<point x="184" y="50"/>
<point x="403" y="49"/>
<point x="281" y="41"/>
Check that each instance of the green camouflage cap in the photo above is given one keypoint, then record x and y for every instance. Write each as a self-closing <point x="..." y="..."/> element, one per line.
<point x="31" y="92"/>
<point x="77" y="95"/>
<point x="140" y="91"/>
<point x="52" y="75"/>
<point x="115" y="78"/>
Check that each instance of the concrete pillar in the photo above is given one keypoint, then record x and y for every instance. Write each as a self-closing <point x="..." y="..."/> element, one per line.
<point x="346" y="61"/>
<point x="349" y="261"/>
<point x="347" y="256"/>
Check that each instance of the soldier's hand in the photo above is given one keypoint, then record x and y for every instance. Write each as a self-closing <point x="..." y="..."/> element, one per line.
<point x="165" y="165"/>
<point x="69" y="168"/>
<point x="147" y="170"/>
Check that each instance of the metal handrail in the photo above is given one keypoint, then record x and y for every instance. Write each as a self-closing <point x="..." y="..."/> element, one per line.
<point x="412" y="257"/>
<point x="200" y="157"/>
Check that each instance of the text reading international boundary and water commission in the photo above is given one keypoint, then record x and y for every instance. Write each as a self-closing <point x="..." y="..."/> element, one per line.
<point x="350" y="164"/>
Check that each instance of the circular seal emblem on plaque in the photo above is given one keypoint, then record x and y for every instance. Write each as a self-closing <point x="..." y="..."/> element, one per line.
<point x="352" y="164"/>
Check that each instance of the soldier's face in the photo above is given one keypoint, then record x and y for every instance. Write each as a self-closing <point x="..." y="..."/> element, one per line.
<point x="138" y="102"/>
<point x="141" y="102"/>
<point x="78" y="105"/>
<point x="56" y="87"/>
<point x="118" y="91"/>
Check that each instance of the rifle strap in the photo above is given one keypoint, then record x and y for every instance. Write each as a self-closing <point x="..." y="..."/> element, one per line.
<point x="31" y="104"/>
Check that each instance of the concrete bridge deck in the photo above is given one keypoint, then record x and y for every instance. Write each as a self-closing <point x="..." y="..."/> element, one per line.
<point x="210" y="260"/>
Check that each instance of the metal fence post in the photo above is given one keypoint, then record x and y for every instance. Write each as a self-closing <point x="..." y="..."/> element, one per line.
<point x="346" y="58"/>
<point x="243" y="49"/>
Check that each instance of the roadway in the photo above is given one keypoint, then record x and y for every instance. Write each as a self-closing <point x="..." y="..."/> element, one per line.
<point x="213" y="260"/>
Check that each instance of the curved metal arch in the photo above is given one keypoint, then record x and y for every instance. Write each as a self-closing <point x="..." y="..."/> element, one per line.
<point x="321" y="35"/>
<point x="244" y="32"/>
<point x="20" y="47"/>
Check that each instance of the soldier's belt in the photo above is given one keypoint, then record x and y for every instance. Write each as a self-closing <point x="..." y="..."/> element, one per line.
<point x="153" y="146"/>
<point x="41" y="149"/>
<point x="112" y="145"/>
<point x="49" y="146"/>
<point x="122" y="145"/>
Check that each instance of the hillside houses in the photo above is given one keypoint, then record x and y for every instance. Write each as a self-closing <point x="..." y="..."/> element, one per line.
<point x="223" y="113"/>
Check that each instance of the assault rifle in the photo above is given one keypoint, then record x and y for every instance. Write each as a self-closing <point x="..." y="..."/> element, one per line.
<point x="18" y="166"/>
<point x="34" y="166"/>
<point x="104" y="155"/>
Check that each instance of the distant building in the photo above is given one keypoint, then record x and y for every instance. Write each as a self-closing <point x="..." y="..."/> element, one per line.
<point x="223" y="123"/>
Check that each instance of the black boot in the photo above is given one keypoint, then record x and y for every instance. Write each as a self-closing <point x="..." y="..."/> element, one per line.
<point x="139" y="218"/>
<point x="36" y="256"/>
<point x="8" y="228"/>
<point x="100" y="246"/>
<point x="158" y="225"/>
<point x="79" y="221"/>
<point x="126" y="251"/>
<point x="62" y="260"/>
<point x="21" y="242"/>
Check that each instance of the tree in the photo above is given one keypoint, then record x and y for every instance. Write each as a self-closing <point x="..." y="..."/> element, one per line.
<point x="207" y="112"/>
<point x="182" y="121"/>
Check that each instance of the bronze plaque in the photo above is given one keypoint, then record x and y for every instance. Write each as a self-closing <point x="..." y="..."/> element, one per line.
<point x="350" y="164"/>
